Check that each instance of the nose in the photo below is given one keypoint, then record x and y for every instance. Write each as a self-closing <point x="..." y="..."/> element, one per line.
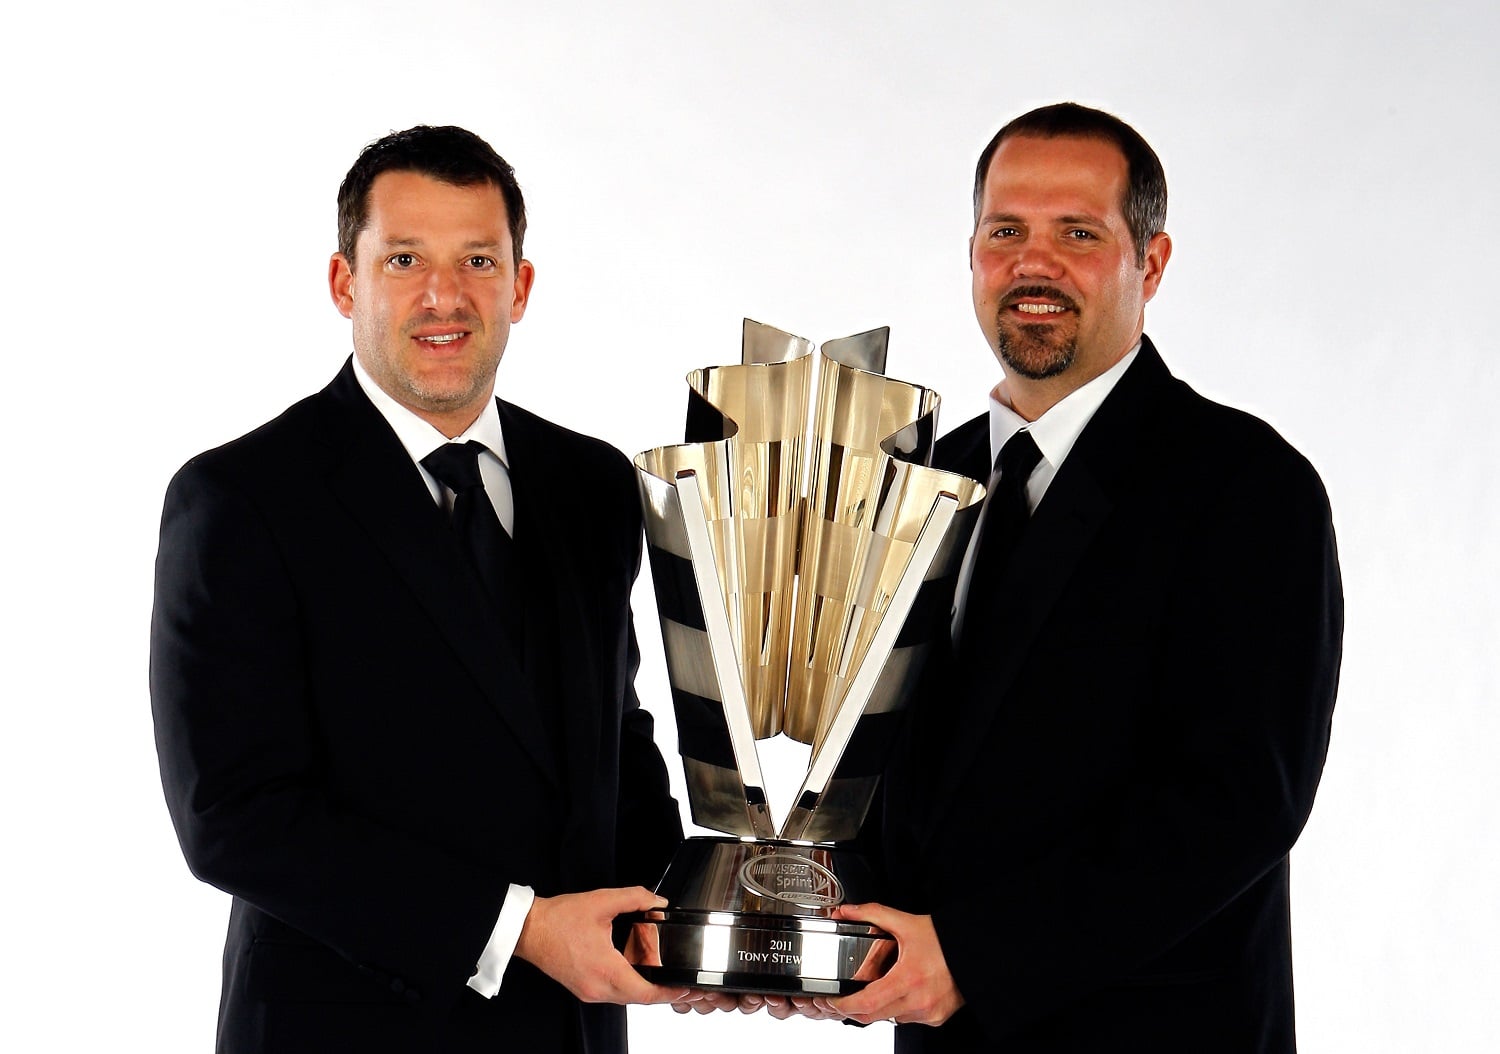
<point x="443" y="291"/>
<point x="1038" y="259"/>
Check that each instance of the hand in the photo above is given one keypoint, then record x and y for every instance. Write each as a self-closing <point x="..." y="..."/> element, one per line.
<point x="569" y="938"/>
<point x="705" y="1001"/>
<point x="918" y="989"/>
<point x="782" y="1007"/>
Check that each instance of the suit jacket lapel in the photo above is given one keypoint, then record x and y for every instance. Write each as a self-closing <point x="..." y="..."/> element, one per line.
<point x="372" y="476"/>
<point x="1064" y="524"/>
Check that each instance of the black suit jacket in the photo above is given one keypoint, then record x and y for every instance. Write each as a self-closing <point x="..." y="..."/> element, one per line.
<point x="353" y="747"/>
<point x="1135" y="745"/>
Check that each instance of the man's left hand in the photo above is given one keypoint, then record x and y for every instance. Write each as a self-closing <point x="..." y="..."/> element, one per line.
<point x="918" y="989"/>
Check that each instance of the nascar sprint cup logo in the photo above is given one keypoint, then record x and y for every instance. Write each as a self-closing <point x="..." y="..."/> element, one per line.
<point x="792" y="879"/>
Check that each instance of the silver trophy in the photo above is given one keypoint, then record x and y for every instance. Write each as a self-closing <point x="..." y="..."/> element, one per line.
<point x="804" y="560"/>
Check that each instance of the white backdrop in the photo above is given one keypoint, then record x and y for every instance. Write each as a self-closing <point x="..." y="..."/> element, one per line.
<point x="171" y="169"/>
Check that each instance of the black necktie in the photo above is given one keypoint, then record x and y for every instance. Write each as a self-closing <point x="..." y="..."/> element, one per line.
<point x="1000" y="524"/>
<point x="480" y="534"/>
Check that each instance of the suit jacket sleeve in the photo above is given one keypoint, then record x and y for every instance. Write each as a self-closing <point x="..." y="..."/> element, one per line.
<point x="649" y="825"/>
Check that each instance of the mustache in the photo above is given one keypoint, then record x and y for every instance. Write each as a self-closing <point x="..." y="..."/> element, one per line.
<point x="466" y="319"/>
<point x="1038" y="292"/>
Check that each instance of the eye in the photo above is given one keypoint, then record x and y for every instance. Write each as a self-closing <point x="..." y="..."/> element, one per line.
<point x="402" y="261"/>
<point x="1078" y="234"/>
<point x="482" y="263"/>
<point x="1005" y="232"/>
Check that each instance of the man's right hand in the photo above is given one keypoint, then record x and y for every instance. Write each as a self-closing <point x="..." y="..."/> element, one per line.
<point x="918" y="989"/>
<point x="569" y="938"/>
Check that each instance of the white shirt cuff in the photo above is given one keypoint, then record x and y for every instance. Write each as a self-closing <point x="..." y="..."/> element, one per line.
<point x="502" y="945"/>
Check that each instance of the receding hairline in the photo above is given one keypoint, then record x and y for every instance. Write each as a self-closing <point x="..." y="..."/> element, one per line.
<point x="1026" y="133"/>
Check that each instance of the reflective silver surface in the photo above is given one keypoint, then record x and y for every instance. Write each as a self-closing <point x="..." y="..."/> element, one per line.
<point x="755" y="917"/>
<point x="804" y="560"/>
<point x="790" y="545"/>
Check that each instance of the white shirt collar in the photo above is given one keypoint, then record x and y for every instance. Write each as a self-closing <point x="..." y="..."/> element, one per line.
<point x="1058" y="429"/>
<point x="418" y="436"/>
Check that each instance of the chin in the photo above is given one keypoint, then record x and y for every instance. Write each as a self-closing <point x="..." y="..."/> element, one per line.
<point x="1034" y="362"/>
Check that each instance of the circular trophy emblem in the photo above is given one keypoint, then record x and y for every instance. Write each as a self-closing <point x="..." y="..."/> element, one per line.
<point x="793" y="879"/>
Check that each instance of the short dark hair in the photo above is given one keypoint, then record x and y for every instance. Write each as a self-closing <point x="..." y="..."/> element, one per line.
<point x="1145" y="202"/>
<point x="447" y="153"/>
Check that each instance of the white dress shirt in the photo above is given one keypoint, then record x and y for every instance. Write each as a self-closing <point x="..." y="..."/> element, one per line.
<point x="420" y="439"/>
<point x="1054" y="432"/>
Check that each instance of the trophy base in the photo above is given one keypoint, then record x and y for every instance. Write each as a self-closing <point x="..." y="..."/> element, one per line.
<point x="746" y="952"/>
<point x="755" y="916"/>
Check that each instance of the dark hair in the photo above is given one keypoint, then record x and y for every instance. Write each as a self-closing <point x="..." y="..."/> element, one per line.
<point x="447" y="153"/>
<point x="1145" y="202"/>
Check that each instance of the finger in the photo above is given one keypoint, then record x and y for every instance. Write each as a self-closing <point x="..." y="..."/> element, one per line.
<point x="628" y="898"/>
<point x="627" y="986"/>
<point x="888" y="919"/>
<point x="781" y="1006"/>
<point x="706" y="1001"/>
<point x="656" y="993"/>
<point x="870" y="1003"/>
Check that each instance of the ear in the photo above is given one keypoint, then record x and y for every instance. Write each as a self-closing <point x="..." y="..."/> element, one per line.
<point x="521" y="290"/>
<point x="341" y="284"/>
<point x="971" y="254"/>
<point x="1158" y="252"/>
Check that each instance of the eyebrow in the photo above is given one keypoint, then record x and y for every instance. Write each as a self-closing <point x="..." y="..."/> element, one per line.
<point x="1086" y="218"/>
<point x="415" y="243"/>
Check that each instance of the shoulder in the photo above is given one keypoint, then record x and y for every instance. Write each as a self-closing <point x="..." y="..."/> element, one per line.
<point x="1189" y="429"/>
<point x="549" y="442"/>
<point x="590" y="479"/>
<point x="1218" y="456"/>
<point x="264" y="453"/>
<point x="966" y="446"/>
<point x="1216" y="435"/>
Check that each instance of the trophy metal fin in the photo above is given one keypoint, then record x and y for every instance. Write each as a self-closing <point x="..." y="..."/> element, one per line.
<point x="761" y="344"/>
<point x="721" y="648"/>
<point x="862" y="351"/>
<point x="804" y="821"/>
<point x="779" y="534"/>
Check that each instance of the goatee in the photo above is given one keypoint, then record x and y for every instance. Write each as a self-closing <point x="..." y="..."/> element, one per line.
<point x="1035" y="352"/>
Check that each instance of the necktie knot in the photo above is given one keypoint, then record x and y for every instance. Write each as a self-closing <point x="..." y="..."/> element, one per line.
<point x="483" y="540"/>
<point x="1018" y="458"/>
<point x="456" y="465"/>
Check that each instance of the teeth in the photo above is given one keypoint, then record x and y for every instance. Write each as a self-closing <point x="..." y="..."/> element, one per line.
<point x="1040" y="309"/>
<point x="446" y="338"/>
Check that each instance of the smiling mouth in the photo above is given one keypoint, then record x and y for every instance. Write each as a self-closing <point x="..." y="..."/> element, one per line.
<point x="1038" y="301"/>
<point x="443" y="338"/>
